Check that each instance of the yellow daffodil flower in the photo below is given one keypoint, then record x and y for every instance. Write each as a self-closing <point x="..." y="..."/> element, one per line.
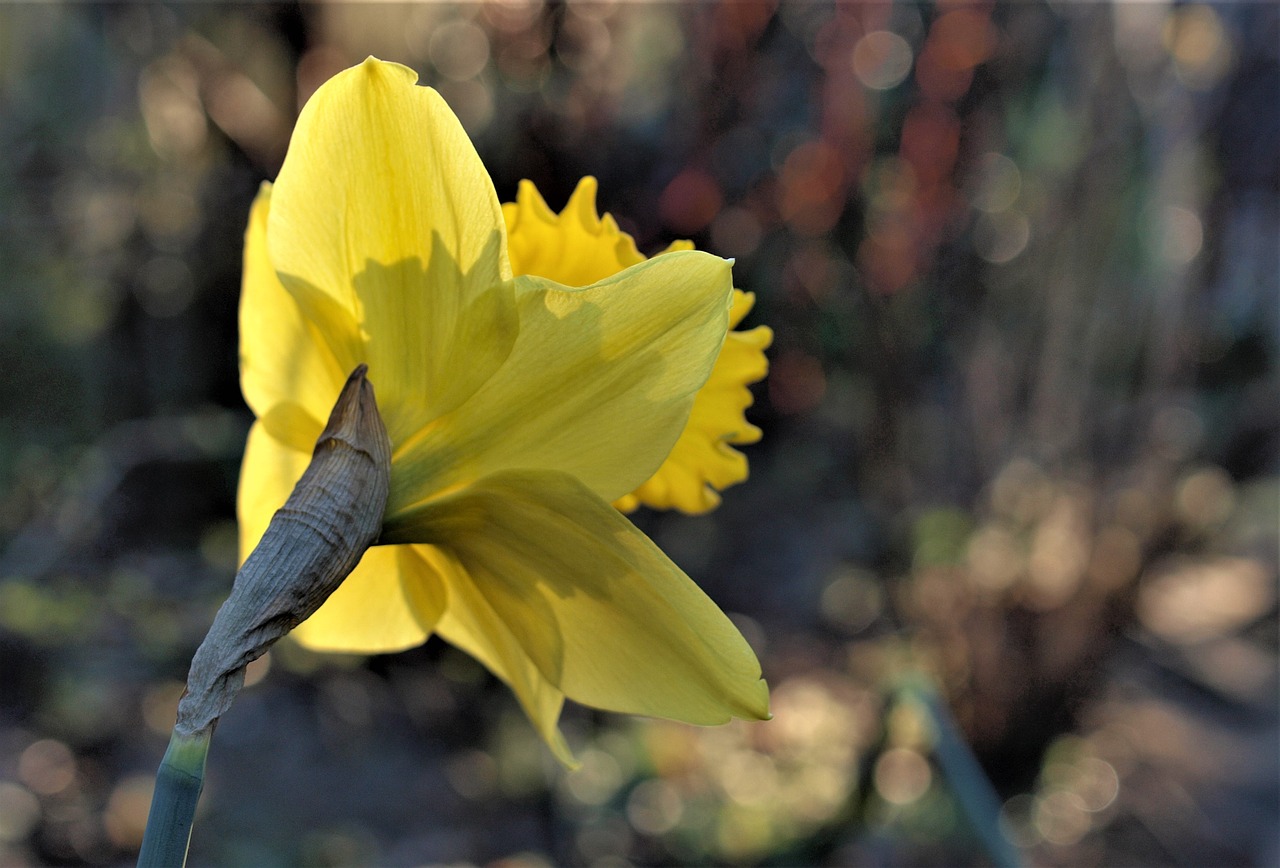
<point x="518" y="409"/>
<point x="577" y="247"/>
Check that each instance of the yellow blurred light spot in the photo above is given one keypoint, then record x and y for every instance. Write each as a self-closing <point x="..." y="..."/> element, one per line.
<point x="102" y="217"/>
<point x="672" y="750"/>
<point x="473" y="775"/>
<point x="1021" y="491"/>
<point x="749" y="778"/>
<point x="168" y="214"/>
<point x="853" y="599"/>
<point x="165" y="287"/>
<point x="472" y="101"/>
<point x="1192" y="600"/>
<point x="909" y="726"/>
<point x="816" y="793"/>
<point x="169" y="96"/>
<point x="995" y="558"/>
<point x="1016" y="822"/>
<point x="882" y="60"/>
<point x="247" y="115"/>
<point x="999" y="237"/>
<point x="1096" y="783"/>
<point x="47" y="767"/>
<point x="745" y="831"/>
<point x="459" y="50"/>
<point x="597" y="780"/>
<point x="902" y="776"/>
<point x="19" y="812"/>
<point x="1198" y="44"/>
<point x="1181" y="236"/>
<point x="1206" y="498"/>
<point x="997" y="183"/>
<point x="1116" y="557"/>
<point x="1059" y="554"/>
<point x="654" y="807"/>
<point x="126" y="815"/>
<point x="1061" y="818"/>
<point x="800" y="710"/>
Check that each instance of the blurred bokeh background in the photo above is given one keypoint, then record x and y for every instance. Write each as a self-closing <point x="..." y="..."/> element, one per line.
<point x="1018" y="487"/>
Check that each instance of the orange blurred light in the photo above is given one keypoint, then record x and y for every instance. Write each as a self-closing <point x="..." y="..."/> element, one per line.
<point x="931" y="141"/>
<point x="937" y="80"/>
<point x="963" y="39"/>
<point x="796" y="382"/>
<point x="888" y="260"/>
<point x="811" y="195"/>
<point x="690" y="202"/>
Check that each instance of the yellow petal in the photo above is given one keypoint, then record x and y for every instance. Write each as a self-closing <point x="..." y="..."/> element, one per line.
<point x="599" y="383"/>
<point x="599" y="609"/>
<point x="282" y="357"/>
<point x="575" y="247"/>
<point x="471" y="624"/>
<point x="702" y="463"/>
<point x="268" y="473"/>
<point x="391" y="601"/>
<point x="386" y="228"/>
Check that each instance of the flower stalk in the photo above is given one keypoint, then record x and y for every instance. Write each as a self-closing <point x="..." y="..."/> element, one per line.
<point x="173" y="805"/>
<point x="313" y="542"/>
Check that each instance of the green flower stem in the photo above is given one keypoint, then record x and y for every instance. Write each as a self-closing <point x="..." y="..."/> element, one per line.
<point x="312" y="543"/>
<point x="173" y="806"/>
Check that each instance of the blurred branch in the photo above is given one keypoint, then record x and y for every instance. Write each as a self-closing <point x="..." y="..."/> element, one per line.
<point x="70" y="520"/>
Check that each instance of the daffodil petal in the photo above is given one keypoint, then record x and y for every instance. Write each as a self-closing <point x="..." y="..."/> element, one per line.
<point x="600" y="610"/>
<point x="409" y="245"/>
<point x="599" y="383"/>
<point x="702" y="462"/>
<point x="282" y="357"/>
<point x="391" y="601"/>
<point x="470" y="623"/>
<point x="268" y="473"/>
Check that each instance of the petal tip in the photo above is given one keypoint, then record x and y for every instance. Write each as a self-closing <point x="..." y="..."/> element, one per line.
<point x="756" y="706"/>
<point x="374" y="66"/>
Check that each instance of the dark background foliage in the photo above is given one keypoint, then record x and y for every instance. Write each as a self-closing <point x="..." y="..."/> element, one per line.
<point x="1020" y="447"/>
